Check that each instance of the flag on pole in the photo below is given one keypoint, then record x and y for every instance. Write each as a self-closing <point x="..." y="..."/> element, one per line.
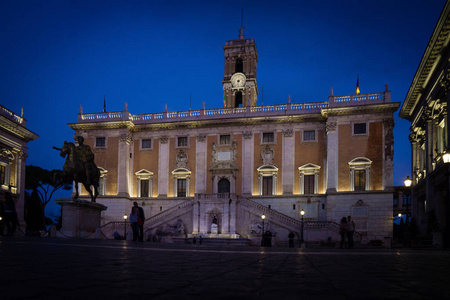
<point x="357" y="86"/>
<point x="224" y="98"/>
<point x="104" y="103"/>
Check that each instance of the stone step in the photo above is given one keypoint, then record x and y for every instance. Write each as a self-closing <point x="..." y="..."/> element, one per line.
<point x="213" y="241"/>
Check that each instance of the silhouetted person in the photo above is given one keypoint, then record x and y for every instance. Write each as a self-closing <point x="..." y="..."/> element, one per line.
<point x="10" y="215"/>
<point x="343" y="230"/>
<point x="291" y="237"/>
<point x="34" y="214"/>
<point x="137" y="223"/>
<point x="350" y="231"/>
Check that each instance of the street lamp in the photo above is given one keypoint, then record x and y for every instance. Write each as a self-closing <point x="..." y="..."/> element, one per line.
<point x="302" y="213"/>
<point x="446" y="159"/>
<point x="408" y="183"/>
<point x="125" y="217"/>
<point x="262" y="238"/>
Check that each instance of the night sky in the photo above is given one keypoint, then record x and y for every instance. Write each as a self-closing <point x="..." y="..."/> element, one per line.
<point x="58" y="55"/>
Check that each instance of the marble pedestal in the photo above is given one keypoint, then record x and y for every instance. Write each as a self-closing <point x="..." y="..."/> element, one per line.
<point x="80" y="218"/>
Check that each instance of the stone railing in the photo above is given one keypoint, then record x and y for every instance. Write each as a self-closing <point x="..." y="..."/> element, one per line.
<point x="294" y="223"/>
<point x="360" y="99"/>
<point x="224" y="196"/>
<point x="12" y="116"/>
<point x="109" y="228"/>
<point x="238" y="112"/>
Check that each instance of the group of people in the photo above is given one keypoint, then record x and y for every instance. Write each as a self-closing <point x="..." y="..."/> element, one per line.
<point x="347" y="229"/>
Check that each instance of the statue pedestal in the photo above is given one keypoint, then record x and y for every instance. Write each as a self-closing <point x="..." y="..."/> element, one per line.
<point x="214" y="229"/>
<point x="80" y="218"/>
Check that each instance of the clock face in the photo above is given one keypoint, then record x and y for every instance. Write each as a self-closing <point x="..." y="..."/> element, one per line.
<point x="238" y="80"/>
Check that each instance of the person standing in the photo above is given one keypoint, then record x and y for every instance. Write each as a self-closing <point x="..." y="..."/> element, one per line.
<point x="291" y="237"/>
<point x="350" y="231"/>
<point x="343" y="230"/>
<point x="139" y="222"/>
<point x="10" y="215"/>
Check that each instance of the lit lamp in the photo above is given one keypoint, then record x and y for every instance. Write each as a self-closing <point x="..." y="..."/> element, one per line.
<point x="263" y="217"/>
<point x="125" y="217"/>
<point x="408" y="183"/>
<point x="302" y="213"/>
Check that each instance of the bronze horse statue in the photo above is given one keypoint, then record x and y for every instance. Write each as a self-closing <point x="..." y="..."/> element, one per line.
<point x="75" y="170"/>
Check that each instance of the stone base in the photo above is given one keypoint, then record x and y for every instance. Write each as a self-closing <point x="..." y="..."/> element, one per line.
<point x="80" y="218"/>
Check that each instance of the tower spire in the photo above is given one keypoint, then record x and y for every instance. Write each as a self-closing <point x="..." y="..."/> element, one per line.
<point x="241" y="30"/>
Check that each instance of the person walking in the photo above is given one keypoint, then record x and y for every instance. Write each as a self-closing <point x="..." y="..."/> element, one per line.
<point x="137" y="219"/>
<point x="350" y="231"/>
<point x="343" y="230"/>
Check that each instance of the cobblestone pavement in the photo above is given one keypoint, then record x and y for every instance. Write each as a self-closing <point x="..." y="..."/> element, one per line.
<point x="46" y="268"/>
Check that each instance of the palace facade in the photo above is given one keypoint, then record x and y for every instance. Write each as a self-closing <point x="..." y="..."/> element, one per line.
<point x="330" y="159"/>
<point x="426" y="107"/>
<point x="14" y="137"/>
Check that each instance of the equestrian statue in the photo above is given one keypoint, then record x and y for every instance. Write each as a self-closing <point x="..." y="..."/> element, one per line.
<point x="80" y="167"/>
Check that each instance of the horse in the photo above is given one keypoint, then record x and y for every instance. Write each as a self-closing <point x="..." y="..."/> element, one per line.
<point x="75" y="170"/>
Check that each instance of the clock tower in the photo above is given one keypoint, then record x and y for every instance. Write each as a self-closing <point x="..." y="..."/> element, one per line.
<point x="239" y="80"/>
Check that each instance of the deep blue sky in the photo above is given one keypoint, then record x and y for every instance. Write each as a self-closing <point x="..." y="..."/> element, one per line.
<point x="58" y="55"/>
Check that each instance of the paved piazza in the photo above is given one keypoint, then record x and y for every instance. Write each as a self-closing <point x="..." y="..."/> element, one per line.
<point x="45" y="268"/>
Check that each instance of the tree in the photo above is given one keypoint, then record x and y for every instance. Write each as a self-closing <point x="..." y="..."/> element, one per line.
<point x="45" y="182"/>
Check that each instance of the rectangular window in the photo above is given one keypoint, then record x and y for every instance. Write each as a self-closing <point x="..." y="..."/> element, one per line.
<point x="396" y="200"/>
<point x="309" y="135"/>
<point x="359" y="128"/>
<point x="360" y="180"/>
<point x="144" y="187"/>
<point x="225" y="139"/>
<point x="267" y="185"/>
<point x="268" y="137"/>
<point x="182" y="141"/>
<point x="2" y="174"/>
<point x="146" y="144"/>
<point x="406" y="199"/>
<point x="309" y="184"/>
<point x="181" y="188"/>
<point x="100" y="142"/>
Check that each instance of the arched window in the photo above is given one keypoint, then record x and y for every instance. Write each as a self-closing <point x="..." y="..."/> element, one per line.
<point x="144" y="183"/>
<point x="181" y="180"/>
<point x="238" y="99"/>
<point x="223" y="186"/>
<point x="267" y="179"/>
<point x="239" y="67"/>
<point x="360" y="174"/>
<point x="309" y="179"/>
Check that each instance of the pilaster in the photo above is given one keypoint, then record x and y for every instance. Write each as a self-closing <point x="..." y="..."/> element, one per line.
<point x="332" y="156"/>
<point x="163" y="167"/>
<point x="288" y="162"/>
<point x="123" y="163"/>
<point x="247" y="162"/>
<point x="201" y="164"/>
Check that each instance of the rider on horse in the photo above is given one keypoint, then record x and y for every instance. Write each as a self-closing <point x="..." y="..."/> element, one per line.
<point x="86" y="156"/>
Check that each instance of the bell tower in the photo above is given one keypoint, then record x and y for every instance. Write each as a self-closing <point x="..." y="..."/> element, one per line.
<point x="239" y="80"/>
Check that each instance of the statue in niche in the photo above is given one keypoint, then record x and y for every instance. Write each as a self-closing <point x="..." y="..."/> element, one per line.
<point x="214" y="225"/>
<point x="214" y="152"/>
<point x="267" y="155"/>
<point x="182" y="159"/>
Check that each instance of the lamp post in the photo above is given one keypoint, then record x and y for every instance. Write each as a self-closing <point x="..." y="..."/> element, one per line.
<point x="302" y="213"/>
<point x="446" y="159"/>
<point x="408" y="183"/>
<point x="125" y="217"/>
<point x="263" y="217"/>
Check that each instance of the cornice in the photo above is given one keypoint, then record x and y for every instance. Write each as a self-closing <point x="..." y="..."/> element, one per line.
<point x="360" y="109"/>
<point x="17" y="130"/>
<point x="430" y="58"/>
<point x="102" y="125"/>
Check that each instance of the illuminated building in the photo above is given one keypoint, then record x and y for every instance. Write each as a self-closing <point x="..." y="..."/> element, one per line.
<point x="330" y="158"/>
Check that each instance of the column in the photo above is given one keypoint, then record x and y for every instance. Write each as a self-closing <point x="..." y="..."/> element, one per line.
<point x="288" y="162"/>
<point x="247" y="163"/>
<point x="123" y="169"/>
<point x="332" y="156"/>
<point x="201" y="164"/>
<point x="163" y="167"/>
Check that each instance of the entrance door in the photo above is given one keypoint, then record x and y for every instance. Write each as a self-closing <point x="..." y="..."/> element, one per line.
<point x="223" y="186"/>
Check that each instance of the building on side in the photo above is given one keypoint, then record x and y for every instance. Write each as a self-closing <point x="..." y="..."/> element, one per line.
<point x="14" y="137"/>
<point x="426" y="107"/>
<point x="234" y="164"/>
